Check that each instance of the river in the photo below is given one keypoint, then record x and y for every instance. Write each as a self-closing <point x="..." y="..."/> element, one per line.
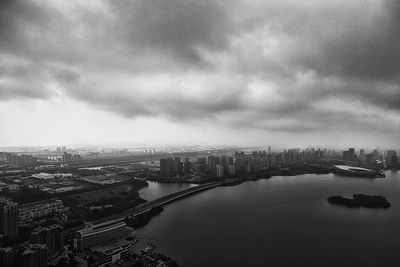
<point x="278" y="221"/>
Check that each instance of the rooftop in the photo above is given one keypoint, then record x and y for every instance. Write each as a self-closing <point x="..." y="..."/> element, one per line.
<point x="351" y="168"/>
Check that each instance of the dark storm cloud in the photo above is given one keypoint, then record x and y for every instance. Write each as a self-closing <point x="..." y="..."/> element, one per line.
<point x="279" y="60"/>
<point x="366" y="49"/>
<point x="168" y="102"/>
<point x="179" y="27"/>
<point x="15" y="15"/>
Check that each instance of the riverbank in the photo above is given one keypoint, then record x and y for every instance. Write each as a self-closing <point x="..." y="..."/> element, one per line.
<point x="278" y="215"/>
<point x="237" y="180"/>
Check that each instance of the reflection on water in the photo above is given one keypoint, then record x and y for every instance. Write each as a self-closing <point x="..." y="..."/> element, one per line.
<point x="282" y="220"/>
<point x="157" y="190"/>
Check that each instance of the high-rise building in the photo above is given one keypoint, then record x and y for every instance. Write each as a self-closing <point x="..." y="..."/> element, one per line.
<point x="362" y="156"/>
<point x="349" y="155"/>
<point x="51" y="236"/>
<point x="67" y="157"/>
<point x="219" y="170"/>
<point x="9" y="219"/>
<point x="248" y="164"/>
<point x="202" y="164"/>
<point x="168" y="167"/>
<point x="164" y="167"/>
<point x="35" y="255"/>
<point x="179" y="169"/>
<point x="391" y="159"/>
<point x="224" y="163"/>
<point x="231" y="169"/>
<point x="6" y="257"/>
<point x="178" y="166"/>
<point x="212" y="162"/>
<point x="187" y="166"/>
<point x="394" y="162"/>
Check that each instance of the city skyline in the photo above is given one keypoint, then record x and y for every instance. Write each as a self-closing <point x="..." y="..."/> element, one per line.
<point x="239" y="73"/>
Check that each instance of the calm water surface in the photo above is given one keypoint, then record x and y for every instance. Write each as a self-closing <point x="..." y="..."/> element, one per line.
<point x="279" y="221"/>
<point x="156" y="190"/>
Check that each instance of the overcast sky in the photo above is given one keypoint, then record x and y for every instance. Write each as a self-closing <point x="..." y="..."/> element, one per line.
<point x="287" y="73"/>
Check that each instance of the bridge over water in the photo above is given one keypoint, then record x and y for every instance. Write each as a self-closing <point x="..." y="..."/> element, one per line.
<point x="145" y="207"/>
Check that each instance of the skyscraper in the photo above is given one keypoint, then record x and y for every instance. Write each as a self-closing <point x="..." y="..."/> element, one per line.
<point x="168" y="166"/>
<point x="164" y="167"/>
<point x="391" y="158"/>
<point x="187" y="166"/>
<point x="349" y="155"/>
<point x="35" y="255"/>
<point x="51" y="236"/>
<point x="6" y="257"/>
<point x="219" y="170"/>
<point x="9" y="219"/>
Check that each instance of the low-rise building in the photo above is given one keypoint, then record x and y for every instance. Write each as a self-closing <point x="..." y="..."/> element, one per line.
<point x="99" y="179"/>
<point x="8" y="187"/>
<point x="102" y="234"/>
<point x="44" y="176"/>
<point x="41" y="209"/>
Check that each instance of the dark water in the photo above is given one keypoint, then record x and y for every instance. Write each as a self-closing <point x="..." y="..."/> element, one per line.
<point x="281" y="221"/>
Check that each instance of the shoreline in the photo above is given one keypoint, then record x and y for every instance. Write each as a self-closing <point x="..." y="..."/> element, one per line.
<point x="250" y="177"/>
<point x="146" y="217"/>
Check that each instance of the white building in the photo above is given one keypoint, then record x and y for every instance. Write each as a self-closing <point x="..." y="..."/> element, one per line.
<point x="219" y="170"/>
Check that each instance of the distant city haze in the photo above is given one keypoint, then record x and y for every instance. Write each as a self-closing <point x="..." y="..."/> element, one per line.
<point x="280" y="73"/>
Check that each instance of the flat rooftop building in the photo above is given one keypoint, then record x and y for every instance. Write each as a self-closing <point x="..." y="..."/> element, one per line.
<point x="103" y="233"/>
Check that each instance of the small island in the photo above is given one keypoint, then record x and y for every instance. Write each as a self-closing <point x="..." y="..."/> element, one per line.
<point x="360" y="200"/>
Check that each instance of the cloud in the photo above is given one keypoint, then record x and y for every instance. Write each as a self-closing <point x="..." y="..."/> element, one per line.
<point x="272" y="65"/>
<point x="174" y="27"/>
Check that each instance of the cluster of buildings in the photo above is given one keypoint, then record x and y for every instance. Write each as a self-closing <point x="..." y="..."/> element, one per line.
<point x="51" y="236"/>
<point x="41" y="209"/>
<point x="61" y="149"/>
<point x="44" y="243"/>
<point x="244" y="163"/>
<point x="392" y="160"/>
<point x="52" y="183"/>
<point x="9" y="218"/>
<point x="373" y="159"/>
<point x="19" y="160"/>
<point x="69" y="157"/>
<point x="28" y="255"/>
<point x="28" y="161"/>
<point x="47" y="243"/>
<point x="8" y="187"/>
<point x="239" y="163"/>
<point x="174" y="166"/>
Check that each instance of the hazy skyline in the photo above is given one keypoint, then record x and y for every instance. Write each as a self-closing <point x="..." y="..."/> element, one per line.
<point x="200" y="72"/>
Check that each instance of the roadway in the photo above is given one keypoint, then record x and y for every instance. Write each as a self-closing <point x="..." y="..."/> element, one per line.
<point x="145" y="207"/>
<point x="159" y="202"/>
